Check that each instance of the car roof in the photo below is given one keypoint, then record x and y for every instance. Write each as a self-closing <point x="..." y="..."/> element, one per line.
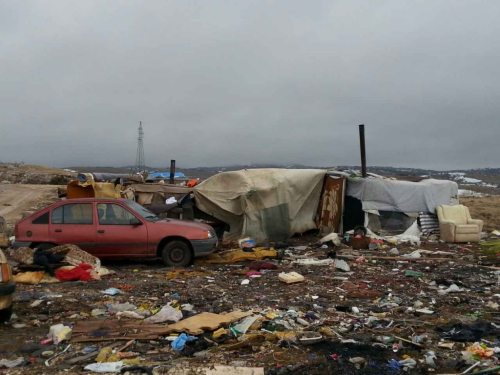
<point x="94" y="200"/>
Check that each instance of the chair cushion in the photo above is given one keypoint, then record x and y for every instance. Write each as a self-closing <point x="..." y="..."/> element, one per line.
<point x="467" y="229"/>
<point x="457" y="214"/>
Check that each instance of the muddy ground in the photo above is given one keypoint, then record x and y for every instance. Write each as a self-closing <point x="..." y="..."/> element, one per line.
<point x="15" y="199"/>
<point x="385" y="297"/>
<point x="218" y="289"/>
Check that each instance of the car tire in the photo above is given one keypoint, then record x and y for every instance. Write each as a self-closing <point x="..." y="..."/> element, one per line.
<point x="44" y="246"/>
<point x="5" y="314"/>
<point x="177" y="254"/>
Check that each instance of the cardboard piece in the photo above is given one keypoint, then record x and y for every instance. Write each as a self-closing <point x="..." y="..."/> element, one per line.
<point x="124" y="329"/>
<point x="291" y="277"/>
<point x="197" y="324"/>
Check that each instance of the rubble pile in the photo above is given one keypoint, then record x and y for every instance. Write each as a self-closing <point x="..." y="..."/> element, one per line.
<point x="414" y="305"/>
<point x="19" y="173"/>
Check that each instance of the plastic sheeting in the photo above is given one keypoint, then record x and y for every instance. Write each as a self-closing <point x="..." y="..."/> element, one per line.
<point x="401" y="196"/>
<point x="270" y="204"/>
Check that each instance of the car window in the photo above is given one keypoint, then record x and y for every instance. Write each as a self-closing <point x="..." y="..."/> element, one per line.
<point x="44" y="219"/>
<point x="145" y="213"/>
<point x="113" y="214"/>
<point x="78" y="213"/>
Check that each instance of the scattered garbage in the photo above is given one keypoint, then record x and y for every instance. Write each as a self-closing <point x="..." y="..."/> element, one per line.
<point x="291" y="277"/>
<point x="428" y="307"/>
<point x="246" y="243"/>
<point x="105" y="367"/>
<point x="171" y="200"/>
<point x="414" y="273"/>
<point x="166" y="314"/>
<point x="333" y="238"/>
<point x="452" y="289"/>
<point x="179" y="342"/>
<point x="59" y="333"/>
<point x="4" y="363"/>
<point x="111" y="291"/>
<point x="414" y="255"/>
<point x="119" y="307"/>
<point x="342" y="265"/>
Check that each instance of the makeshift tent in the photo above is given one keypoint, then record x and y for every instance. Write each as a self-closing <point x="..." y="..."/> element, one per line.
<point x="270" y="204"/>
<point x="392" y="205"/>
<point x="402" y="196"/>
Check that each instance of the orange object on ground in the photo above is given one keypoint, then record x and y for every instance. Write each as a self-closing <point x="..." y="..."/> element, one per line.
<point x="192" y="183"/>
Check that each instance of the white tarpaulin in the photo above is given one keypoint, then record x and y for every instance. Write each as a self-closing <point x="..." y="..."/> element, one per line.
<point x="270" y="204"/>
<point x="402" y="196"/>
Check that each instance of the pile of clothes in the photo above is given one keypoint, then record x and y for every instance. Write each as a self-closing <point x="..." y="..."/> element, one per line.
<point x="60" y="263"/>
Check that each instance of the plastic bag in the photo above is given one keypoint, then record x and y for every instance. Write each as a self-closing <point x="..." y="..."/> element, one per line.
<point x="167" y="313"/>
<point x="180" y="341"/>
<point x="245" y="324"/>
<point x="59" y="333"/>
<point x="105" y="367"/>
<point x="120" y="307"/>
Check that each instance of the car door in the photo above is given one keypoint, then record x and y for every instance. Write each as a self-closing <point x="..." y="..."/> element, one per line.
<point x="116" y="236"/>
<point x="73" y="223"/>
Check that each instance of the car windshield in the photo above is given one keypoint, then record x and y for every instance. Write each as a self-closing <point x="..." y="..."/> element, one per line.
<point x="146" y="214"/>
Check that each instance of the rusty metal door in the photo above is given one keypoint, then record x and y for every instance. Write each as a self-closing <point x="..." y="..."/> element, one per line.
<point x="331" y="206"/>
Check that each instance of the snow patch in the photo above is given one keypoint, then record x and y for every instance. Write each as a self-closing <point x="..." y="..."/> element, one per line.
<point x="469" y="193"/>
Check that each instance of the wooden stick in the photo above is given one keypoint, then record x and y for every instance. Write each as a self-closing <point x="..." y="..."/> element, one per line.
<point x="491" y="267"/>
<point x="126" y="345"/>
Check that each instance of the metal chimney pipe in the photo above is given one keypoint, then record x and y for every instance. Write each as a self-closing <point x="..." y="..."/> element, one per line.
<point x="363" y="150"/>
<point x="172" y="172"/>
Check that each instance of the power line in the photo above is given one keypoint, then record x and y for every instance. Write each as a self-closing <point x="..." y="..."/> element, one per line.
<point x="140" y="163"/>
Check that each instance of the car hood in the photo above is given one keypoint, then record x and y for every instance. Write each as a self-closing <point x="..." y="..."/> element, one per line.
<point x="185" y="224"/>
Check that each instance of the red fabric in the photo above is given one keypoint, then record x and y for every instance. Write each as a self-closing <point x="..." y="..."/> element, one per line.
<point x="77" y="273"/>
<point x="262" y="265"/>
<point x="253" y="273"/>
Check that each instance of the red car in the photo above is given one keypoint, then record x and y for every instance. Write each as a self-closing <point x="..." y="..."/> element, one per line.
<point x="116" y="228"/>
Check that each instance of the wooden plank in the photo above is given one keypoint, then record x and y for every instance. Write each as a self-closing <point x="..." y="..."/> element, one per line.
<point x="114" y="329"/>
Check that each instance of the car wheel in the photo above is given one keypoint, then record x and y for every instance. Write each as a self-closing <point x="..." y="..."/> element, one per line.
<point x="177" y="254"/>
<point x="44" y="246"/>
<point x="5" y="314"/>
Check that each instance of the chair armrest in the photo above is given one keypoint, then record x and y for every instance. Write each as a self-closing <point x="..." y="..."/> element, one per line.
<point x="477" y="222"/>
<point x="447" y="229"/>
<point x="447" y="222"/>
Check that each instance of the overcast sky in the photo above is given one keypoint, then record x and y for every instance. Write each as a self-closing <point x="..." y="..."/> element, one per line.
<point x="239" y="82"/>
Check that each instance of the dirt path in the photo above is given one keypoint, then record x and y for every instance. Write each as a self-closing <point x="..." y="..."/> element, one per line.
<point x="16" y="199"/>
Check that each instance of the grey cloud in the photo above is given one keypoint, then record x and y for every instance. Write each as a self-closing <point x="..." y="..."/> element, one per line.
<point x="225" y="82"/>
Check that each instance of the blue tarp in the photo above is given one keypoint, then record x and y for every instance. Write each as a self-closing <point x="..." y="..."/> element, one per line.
<point x="166" y="175"/>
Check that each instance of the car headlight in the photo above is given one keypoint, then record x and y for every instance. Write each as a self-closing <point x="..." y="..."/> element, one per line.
<point x="210" y="234"/>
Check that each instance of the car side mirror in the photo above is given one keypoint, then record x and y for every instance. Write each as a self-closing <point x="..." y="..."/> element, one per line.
<point x="135" y="221"/>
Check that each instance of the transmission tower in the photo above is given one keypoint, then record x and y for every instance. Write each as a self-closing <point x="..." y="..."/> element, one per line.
<point x="140" y="163"/>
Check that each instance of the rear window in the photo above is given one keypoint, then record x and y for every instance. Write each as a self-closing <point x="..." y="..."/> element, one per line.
<point x="44" y="219"/>
<point x="79" y="213"/>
